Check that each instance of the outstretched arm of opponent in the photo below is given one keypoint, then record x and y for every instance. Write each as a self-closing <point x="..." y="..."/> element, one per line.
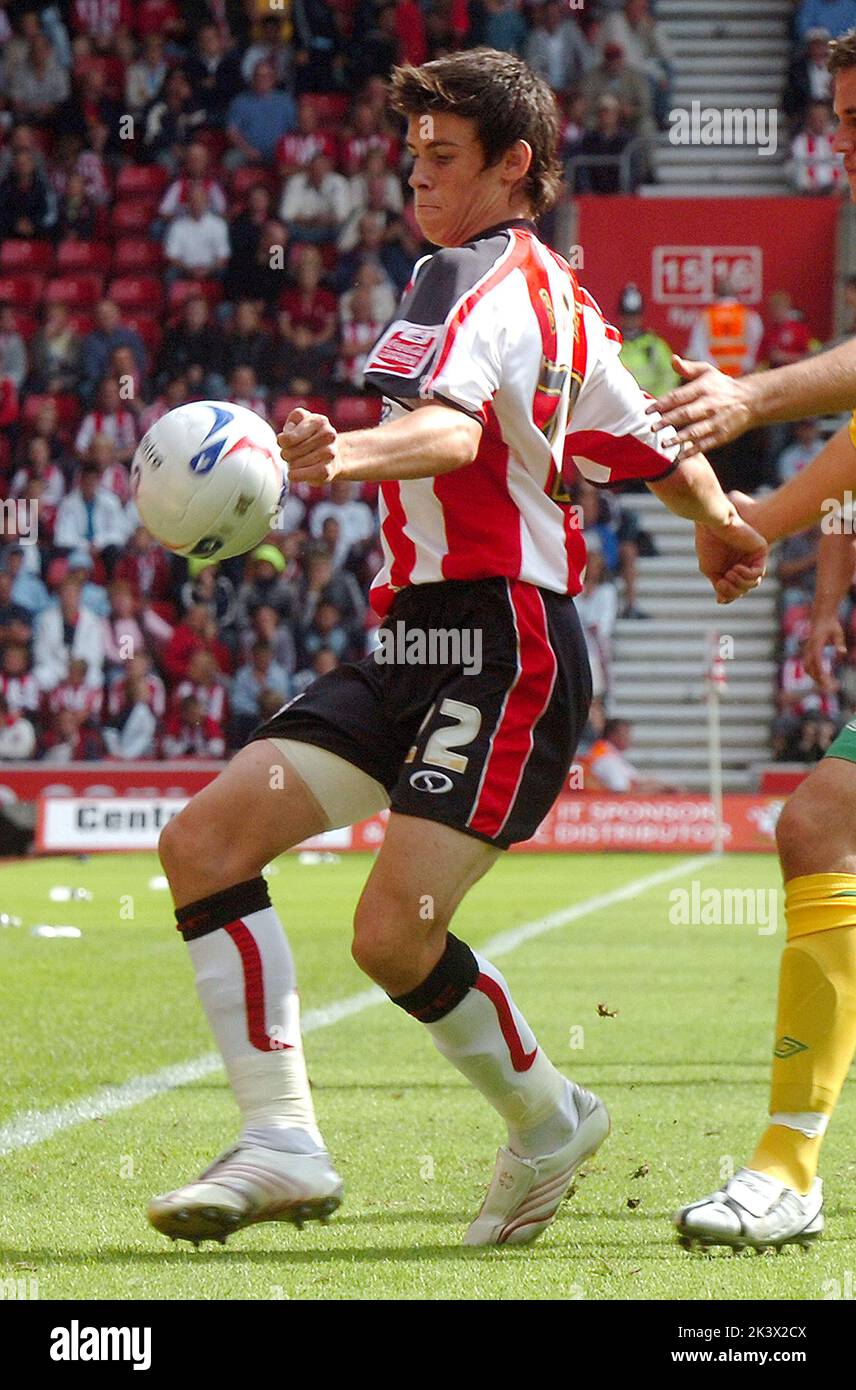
<point x="710" y="408"/>
<point x="836" y="561"/>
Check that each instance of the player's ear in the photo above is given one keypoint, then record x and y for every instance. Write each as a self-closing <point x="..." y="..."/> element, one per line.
<point x="518" y="158"/>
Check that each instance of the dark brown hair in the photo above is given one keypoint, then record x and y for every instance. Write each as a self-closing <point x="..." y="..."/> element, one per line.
<point x="842" y="52"/>
<point x="504" y="98"/>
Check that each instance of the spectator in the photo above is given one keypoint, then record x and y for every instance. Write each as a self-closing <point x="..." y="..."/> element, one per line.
<point x="205" y="683"/>
<point x="75" y="694"/>
<point x="505" y="27"/>
<point x="557" y="49"/>
<point x="93" y="596"/>
<point x="613" y="77"/>
<point x="263" y="278"/>
<point x="27" y="588"/>
<point x="609" y="769"/>
<point x="646" y="356"/>
<point x="315" y="204"/>
<point x="597" y="606"/>
<point x="258" y="119"/>
<point x="247" y="344"/>
<point x="357" y="336"/>
<point x="368" y="132"/>
<point x="208" y="586"/>
<point x="374" y="173"/>
<point x="69" y="739"/>
<point x="298" y="148"/>
<point x="835" y="16"/>
<point x="16" y="622"/>
<point x="410" y="27"/>
<point x="13" y="353"/>
<point x="317" y="44"/>
<point x="727" y="333"/>
<point x="321" y="584"/>
<point x="796" y="566"/>
<point x="806" y="446"/>
<point x="171" y="121"/>
<point x="27" y="202"/>
<point x="39" y="86"/>
<point x="38" y="464"/>
<point x="189" y="733"/>
<point x="133" y="735"/>
<point x="787" y="338"/>
<point x="261" y="673"/>
<point x="145" y="567"/>
<point x="145" y="78"/>
<point x="374" y="280"/>
<point x="605" y="164"/>
<point x="266" y="627"/>
<point x="90" y="518"/>
<point x="197" y="242"/>
<point x="195" y="172"/>
<point x="72" y="157"/>
<point x="244" y="390"/>
<point x="324" y="660"/>
<point x="75" y="211"/>
<point x="307" y="325"/>
<point x="356" y="519"/>
<point x="101" y="343"/>
<point x="815" y="166"/>
<point x="197" y="631"/>
<point x="326" y="628"/>
<point x="174" y="393"/>
<point x="17" y="682"/>
<point x="809" y="78"/>
<point x="123" y="636"/>
<point x="63" y="631"/>
<point x="245" y="234"/>
<point x="17" y="735"/>
<point x="214" y="73"/>
<point x="55" y="353"/>
<point x="269" y="48"/>
<point x="111" y="420"/>
<point x="646" y="47"/>
<point x="99" y="22"/>
<point x="370" y="248"/>
<point x="112" y="474"/>
<point x="193" y="349"/>
<point x="376" y="50"/>
<point x="266" y="586"/>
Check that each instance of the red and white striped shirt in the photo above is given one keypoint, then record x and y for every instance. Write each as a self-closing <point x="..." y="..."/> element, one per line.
<point x="501" y="329"/>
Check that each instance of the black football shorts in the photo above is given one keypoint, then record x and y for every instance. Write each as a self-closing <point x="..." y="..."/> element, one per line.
<point x="470" y="711"/>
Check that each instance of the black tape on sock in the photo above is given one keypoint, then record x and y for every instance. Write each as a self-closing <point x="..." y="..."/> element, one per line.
<point x="209" y="914"/>
<point x="451" y="979"/>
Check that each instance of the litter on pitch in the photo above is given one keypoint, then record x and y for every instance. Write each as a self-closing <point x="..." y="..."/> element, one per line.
<point x="60" y="893"/>
<point x="56" y="931"/>
<point x="7" y="920"/>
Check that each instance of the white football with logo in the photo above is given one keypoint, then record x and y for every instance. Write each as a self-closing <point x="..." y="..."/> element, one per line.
<point x="208" y="479"/>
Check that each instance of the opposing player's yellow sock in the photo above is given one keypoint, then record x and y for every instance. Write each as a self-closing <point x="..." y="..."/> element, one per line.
<point x="816" y="1025"/>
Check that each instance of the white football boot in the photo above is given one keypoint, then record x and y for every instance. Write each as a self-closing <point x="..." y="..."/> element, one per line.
<point x="752" y="1209"/>
<point x="245" y="1185"/>
<point x="525" y="1193"/>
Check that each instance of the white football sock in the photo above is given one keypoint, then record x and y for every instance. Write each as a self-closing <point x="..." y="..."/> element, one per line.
<point x="489" y="1041"/>
<point x="246" y="981"/>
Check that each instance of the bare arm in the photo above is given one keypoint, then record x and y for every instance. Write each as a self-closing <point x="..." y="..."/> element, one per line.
<point x="809" y="496"/>
<point x="836" y="561"/>
<point x="431" y="440"/>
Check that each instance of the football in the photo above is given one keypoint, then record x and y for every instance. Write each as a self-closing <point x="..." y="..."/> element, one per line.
<point x="208" y="479"/>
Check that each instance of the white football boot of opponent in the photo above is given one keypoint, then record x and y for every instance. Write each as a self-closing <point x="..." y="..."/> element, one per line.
<point x="525" y="1193"/>
<point x="245" y="1185"/>
<point x="753" y="1209"/>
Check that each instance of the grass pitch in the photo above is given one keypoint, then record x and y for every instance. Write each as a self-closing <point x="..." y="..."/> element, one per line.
<point x="672" y="1025"/>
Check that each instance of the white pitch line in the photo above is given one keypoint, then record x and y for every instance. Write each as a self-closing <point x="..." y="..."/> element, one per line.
<point x="36" y="1126"/>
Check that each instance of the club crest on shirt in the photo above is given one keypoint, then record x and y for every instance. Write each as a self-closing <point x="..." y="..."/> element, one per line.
<point x="404" y="349"/>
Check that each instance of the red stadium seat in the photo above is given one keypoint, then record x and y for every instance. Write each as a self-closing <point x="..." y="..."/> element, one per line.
<point x="141" y="292"/>
<point x="77" y="291"/>
<point x="26" y="255"/>
<point x="83" y="255"/>
<point x="23" y="290"/>
<point x="182" y="290"/>
<point x="141" y="181"/>
<point x="330" y="107"/>
<point x="26" y="324"/>
<point x="133" y="217"/>
<point x="82" y="323"/>
<point x="283" y="406"/>
<point x="149" y="329"/>
<point x="357" y="412"/>
<point x="136" y="256"/>
<point x="247" y="177"/>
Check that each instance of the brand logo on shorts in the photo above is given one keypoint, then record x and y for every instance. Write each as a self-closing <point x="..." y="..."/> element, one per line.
<point x="788" y="1047"/>
<point x="431" y="782"/>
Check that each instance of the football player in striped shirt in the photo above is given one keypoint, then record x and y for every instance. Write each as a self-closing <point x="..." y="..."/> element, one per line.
<point x="777" y="1198"/>
<point x="499" y="374"/>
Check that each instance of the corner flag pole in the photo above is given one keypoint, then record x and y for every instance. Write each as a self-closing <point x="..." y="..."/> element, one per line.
<point x="716" y="683"/>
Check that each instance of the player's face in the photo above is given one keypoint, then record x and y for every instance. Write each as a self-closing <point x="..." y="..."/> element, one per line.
<point x="845" y="134"/>
<point x="455" y="195"/>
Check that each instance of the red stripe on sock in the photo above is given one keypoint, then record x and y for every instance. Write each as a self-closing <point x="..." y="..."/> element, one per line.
<point x="254" y="987"/>
<point x="520" y="1060"/>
